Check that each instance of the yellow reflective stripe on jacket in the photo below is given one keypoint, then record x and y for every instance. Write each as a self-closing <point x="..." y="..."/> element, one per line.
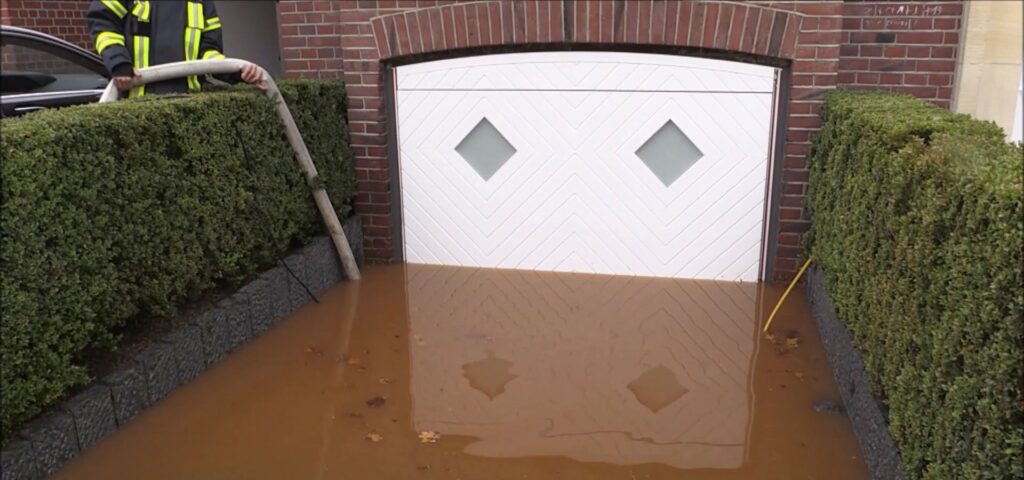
<point x="116" y="7"/>
<point x="106" y="39"/>
<point x="141" y="10"/>
<point x="141" y="60"/>
<point x="212" y="55"/>
<point x="193" y="35"/>
<point x="195" y="15"/>
<point x="212" y="24"/>
<point x="140" y="53"/>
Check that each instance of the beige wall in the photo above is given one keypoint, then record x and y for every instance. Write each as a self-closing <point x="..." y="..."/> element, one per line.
<point x="989" y="74"/>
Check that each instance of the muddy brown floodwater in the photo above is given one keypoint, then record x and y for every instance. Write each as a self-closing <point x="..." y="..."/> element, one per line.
<point x="425" y="372"/>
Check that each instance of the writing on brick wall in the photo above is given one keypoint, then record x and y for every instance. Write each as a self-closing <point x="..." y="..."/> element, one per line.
<point x="908" y="9"/>
<point x="897" y="23"/>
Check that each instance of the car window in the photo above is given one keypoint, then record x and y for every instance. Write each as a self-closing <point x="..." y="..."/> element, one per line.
<point x="25" y="69"/>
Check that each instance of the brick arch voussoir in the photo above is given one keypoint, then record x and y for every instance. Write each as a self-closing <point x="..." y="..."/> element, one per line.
<point x="719" y="25"/>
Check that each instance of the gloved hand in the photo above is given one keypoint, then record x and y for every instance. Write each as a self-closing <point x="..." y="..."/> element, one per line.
<point x="124" y="82"/>
<point x="253" y="74"/>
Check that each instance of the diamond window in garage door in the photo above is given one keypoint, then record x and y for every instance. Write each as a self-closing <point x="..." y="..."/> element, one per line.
<point x="485" y="149"/>
<point x="669" y="153"/>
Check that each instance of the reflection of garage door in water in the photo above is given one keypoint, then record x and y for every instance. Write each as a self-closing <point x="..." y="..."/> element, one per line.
<point x="613" y="163"/>
<point x="614" y="369"/>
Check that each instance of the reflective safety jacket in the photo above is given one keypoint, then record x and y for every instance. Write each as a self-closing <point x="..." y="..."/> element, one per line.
<point x="142" y="33"/>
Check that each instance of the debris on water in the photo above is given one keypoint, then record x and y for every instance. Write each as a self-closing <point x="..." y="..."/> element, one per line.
<point x="429" y="437"/>
<point x="423" y="468"/>
<point x="785" y="345"/>
<point x="377" y="401"/>
<point x="799" y="375"/>
<point x="828" y="406"/>
<point x="374" y="437"/>
<point x="354" y="361"/>
<point x="354" y="415"/>
<point x="313" y="350"/>
<point x="386" y="381"/>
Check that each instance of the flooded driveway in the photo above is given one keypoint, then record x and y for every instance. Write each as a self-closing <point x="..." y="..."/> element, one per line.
<point x="459" y="373"/>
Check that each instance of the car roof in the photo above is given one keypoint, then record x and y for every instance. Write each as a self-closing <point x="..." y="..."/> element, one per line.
<point x="12" y="31"/>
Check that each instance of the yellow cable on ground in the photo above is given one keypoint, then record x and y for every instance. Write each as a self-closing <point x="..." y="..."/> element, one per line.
<point x="786" y="293"/>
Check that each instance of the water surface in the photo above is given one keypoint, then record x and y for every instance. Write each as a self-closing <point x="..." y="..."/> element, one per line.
<point x="521" y="375"/>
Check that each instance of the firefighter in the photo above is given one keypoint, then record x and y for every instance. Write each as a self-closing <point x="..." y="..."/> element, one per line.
<point x="134" y="34"/>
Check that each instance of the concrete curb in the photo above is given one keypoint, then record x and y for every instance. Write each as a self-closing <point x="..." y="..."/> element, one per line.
<point x="865" y="411"/>
<point x="47" y="443"/>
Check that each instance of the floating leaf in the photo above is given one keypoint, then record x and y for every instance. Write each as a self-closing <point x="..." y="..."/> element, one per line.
<point x="374" y="437"/>
<point x="429" y="437"/>
<point x="386" y="381"/>
<point x="377" y="401"/>
<point x="354" y="361"/>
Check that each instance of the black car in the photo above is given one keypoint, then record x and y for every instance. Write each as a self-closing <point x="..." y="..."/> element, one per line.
<point x="41" y="71"/>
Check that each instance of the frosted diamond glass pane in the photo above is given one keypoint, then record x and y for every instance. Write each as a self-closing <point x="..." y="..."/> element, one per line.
<point x="485" y="149"/>
<point x="669" y="153"/>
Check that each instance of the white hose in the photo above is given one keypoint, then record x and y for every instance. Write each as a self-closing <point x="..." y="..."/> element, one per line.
<point x="170" y="71"/>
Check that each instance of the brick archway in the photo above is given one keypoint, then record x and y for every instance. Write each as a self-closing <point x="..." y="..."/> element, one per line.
<point x="726" y="26"/>
<point x="783" y="37"/>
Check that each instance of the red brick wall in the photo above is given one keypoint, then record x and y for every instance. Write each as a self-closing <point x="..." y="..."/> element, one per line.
<point x="60" y="18"/>
<point x="909" y="48"/>
<point x="315" y="32"/>
<point x="902" y="46"/>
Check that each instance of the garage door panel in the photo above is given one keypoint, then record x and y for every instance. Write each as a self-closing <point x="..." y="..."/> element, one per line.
<point x="709" y="246"/>
<point x="709" y="132"/>
<point x="454" y="232"/>
<point x="428" y="242"/>
<point x="478" y="234"/>
<point x="726" y="199"/>
<point x="578" y="193"/>
<point x="436" y="151"/>
<point x="701" y="191"/>
<point x="738" y="267"/>
<point x="586" y="71"/>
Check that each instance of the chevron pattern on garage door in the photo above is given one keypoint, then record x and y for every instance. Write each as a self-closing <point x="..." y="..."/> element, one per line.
<point x="575" y="196"/>
<point x="573" y="346"/>
<point x="586" y="71"/>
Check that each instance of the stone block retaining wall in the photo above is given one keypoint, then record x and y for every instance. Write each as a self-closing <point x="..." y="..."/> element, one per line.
<point x="47" y="443"/>
<point x="866" y="413"/>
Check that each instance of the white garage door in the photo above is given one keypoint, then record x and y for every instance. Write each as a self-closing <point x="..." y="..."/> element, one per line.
<point x="615" y="163"/>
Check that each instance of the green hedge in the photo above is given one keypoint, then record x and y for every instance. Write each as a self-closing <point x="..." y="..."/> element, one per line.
<point x="917" y="226"/>
<point x="122" y="211"/>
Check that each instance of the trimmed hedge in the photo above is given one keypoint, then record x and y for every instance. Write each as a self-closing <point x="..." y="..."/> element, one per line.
<point x="121" y="211"/>
<point x="918" y="227"/>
